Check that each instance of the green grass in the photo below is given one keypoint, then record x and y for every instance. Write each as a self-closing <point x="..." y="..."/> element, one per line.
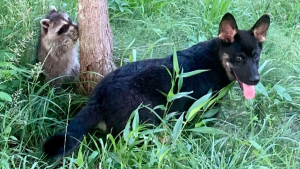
<point x="262" y="133"/>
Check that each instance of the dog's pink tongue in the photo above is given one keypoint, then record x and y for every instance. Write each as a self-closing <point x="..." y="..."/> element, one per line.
<point x="249" y="91"/>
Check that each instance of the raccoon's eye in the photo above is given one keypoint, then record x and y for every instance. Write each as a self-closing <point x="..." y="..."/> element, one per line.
<point x="256" y="57"/>
<point x="63" y="29"/>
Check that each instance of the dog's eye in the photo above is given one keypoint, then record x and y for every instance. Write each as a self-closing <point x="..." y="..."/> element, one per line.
<point x="239" y="58"/>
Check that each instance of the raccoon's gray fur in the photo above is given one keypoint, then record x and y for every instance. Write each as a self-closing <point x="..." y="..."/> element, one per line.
<point x="57" y="48"/>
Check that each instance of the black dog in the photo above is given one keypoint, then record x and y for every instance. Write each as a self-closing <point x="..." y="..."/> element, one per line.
<point x="234" y="55"/>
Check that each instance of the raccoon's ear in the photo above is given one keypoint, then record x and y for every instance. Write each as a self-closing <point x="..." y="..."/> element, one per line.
<point x="261" y="27"/>
<point x="227" y="28"/>
<point x="53" y="8"/>
<point x="45" y="23"/>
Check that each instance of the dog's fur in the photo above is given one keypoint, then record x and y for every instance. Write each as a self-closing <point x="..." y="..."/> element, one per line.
<point x="235" y="53"/>
<point x="57" y="47"/>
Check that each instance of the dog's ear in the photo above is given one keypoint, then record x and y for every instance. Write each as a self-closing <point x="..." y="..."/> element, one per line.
<point x="227" y="28"/>
<point x="261" y="27"/>
<point x="45" y="23"/>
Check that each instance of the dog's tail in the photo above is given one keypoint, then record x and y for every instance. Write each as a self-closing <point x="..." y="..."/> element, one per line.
<point x="65" y="142"/>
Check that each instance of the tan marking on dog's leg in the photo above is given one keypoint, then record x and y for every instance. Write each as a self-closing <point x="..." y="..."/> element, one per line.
<point x="102" y="126"/>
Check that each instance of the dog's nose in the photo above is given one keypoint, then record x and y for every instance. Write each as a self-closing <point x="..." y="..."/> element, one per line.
<point x="254" y="79"/>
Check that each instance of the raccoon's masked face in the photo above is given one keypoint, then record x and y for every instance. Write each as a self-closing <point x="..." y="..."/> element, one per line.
<point x="57" y="29"/>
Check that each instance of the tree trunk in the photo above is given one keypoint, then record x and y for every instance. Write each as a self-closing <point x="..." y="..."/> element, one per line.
<point x="96" y="44"/>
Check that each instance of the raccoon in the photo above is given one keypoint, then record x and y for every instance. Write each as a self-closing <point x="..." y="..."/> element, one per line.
<point x="58" y="47"/>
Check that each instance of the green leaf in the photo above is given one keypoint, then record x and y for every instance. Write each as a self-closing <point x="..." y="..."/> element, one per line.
<point x="197" y="105"/>
<point x="168" y="71"/>
<point x="13" y="138"/>
<point x="175" y="62"/>
<point x="261" y="152"/>
<point x="260" y="88"/>
<point x="169" y="116"/>
<point x="221" y="94"/>
<point x="123" y="3"/>
<point x="180" y="81"/>
<point x="180" y="95"/>
<point x="152" y="131"/>
<point x="287" y="97"/>
<point x="7" y="130"/>
<point x="208" y="130"/>
<point x="92" y="156"/>
<point x="133" y="55"/>
<point x="9" y="64"/>
<point x="211" y="112"/>
<point x="6" y="32"/>
<point x="193" y="38"/>
<point x="150" y="48"/>
<point x="170" y="94"/>
<point x="161" y="107"/>
<point x="177" y="128"/>
<point x="281" y="91"/>
<point x="204" y="121"/>
<point x="4" y="56"/>
<point x="80" y="156"/>
<point x="262" y="66"/>
<point x="126" y="131"/>
<point x="163" y="152"/>
<point x="112" y="141"/>
<point x="224" y="91"/>
<point x="297" y="69"/>
<point x="3" y="87"/>
<point x="130" y="58"/>
<point x="162" y="93"/>
<point x="255" y="144"/>
<point x="134" y="133"/>
<point x="121" y="8"/>
<point x="5" y="97"/>
<point x="135" y="122"/>
<point x="34" y="165"/>
<point x="192" y="73"/>
<point x="126" y="51"/>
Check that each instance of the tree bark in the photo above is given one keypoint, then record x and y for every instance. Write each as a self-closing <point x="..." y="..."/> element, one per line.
<point x="96" y="44"/>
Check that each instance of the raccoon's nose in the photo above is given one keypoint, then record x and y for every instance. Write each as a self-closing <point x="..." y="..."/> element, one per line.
<point x="76" y="27"/>
<point x="254" y="79"/>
